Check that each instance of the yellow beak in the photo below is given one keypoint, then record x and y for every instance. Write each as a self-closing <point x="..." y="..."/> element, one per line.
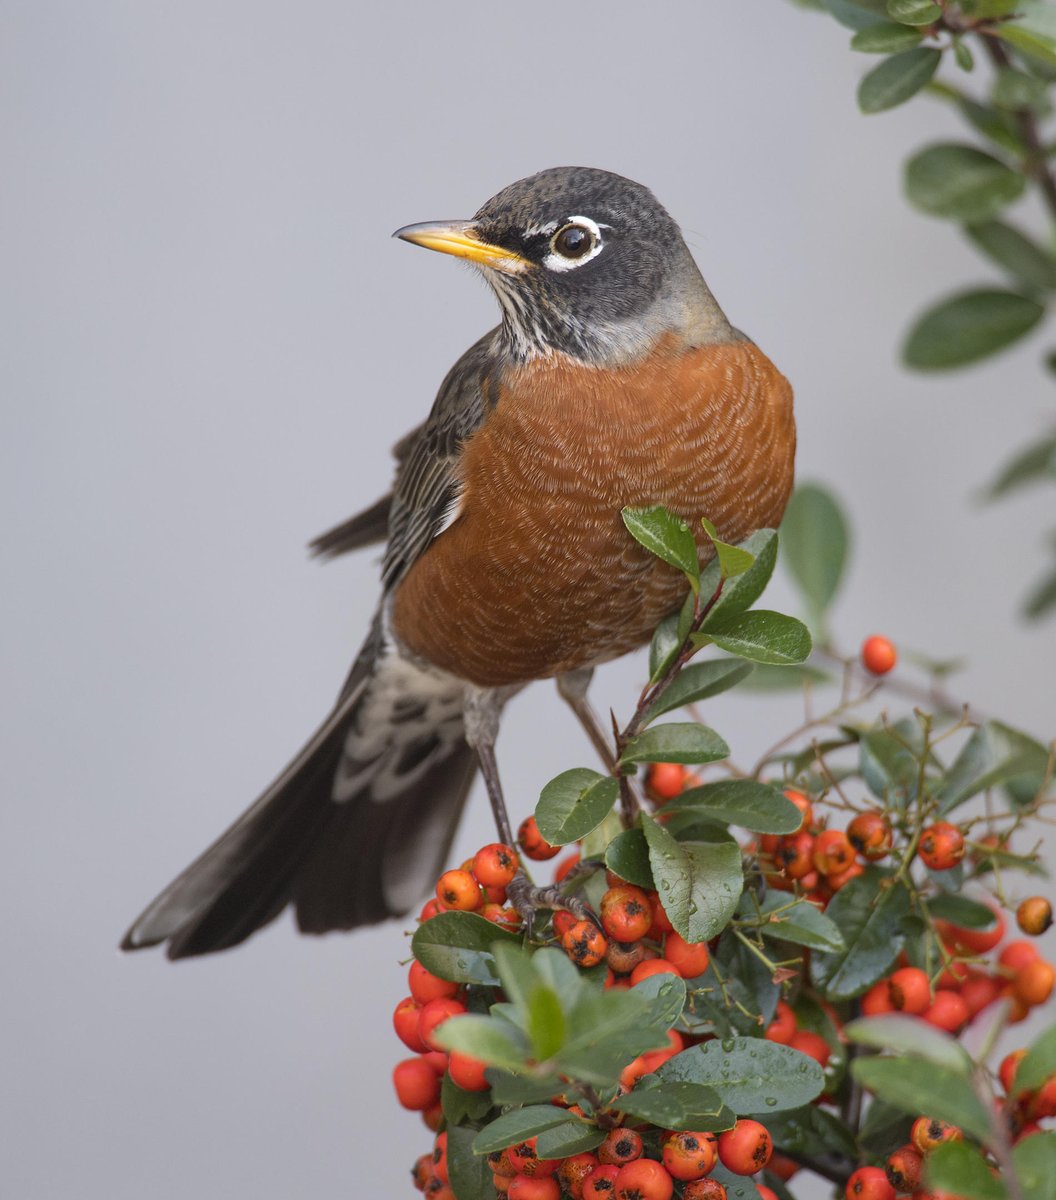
<point x="461" y="239"/>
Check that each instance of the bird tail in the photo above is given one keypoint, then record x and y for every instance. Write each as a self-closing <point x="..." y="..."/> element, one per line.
<point x="352" y="832"/>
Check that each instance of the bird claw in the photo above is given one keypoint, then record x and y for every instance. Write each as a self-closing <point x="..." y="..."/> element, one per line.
<point x="529" y="900"/>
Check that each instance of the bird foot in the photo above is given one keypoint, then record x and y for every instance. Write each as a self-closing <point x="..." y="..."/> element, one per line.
<point x="529" y="900"/>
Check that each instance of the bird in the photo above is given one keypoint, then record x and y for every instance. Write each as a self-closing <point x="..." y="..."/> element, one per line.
<point x="613" y="379"/>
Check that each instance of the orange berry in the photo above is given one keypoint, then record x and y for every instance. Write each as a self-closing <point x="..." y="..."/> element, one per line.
<point x="870" y="834"/>
<point x="532" y="842"/>
<point x="941" y="846"/>
<point x="661" y="922"/>
<point x="1034" y="915"/>
<point x="927" y="1133"/>
<point x="869" y="1183"/>
<point x="467" y="1072"/>
<point x="973" y="941"/>
<point x="878" y="655"/>
<point x="665" y="781"/>
<point x="833" y="852"/>
<point x="877" y="1000"/>
<point x="528" y="1187"/>
<point x="795" y="854"/>
<point x="565" y="867"/>
<point x="626" y="914"/>
<point x="904" y="1168"/>
<point x="600" y="1184"/>
<point x="574" y="1170"/>
<point x="948" y="1010"/>
<point x="688" y="1156"/>
<point x="978" y="991"/>
<point x="458" y="889"/>
<point x="653" y="966"/>
<point x="584" y="943"/>
<point x="527" y="1162"/>
<point x="644" y="1179"/>
<point x="495" y="865"/>
<point x="844" y="877"/>
<point x="746" y="1148"/>
<point x="1006" y="1072"/>
<point x="1034" y="983"/>
<point x="620" y="1146"/>
<point x="690" y="958"/>
<point x="909" y="990"/>
<point x="433" y="1015"/>
<point x="405" y="1022"/>
<point x="705" y="1189"/>
<point x="1015" y="955"/>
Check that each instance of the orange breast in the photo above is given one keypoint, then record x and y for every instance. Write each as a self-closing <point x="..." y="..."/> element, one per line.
<point x="538" y="575"/>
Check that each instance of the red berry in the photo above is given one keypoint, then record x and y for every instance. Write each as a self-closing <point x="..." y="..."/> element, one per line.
<point x="525" y="1187"/>
<point x="584" y="943"/>
<point x="434" y="1014"/>
<point x="526" y="1161"/>
<point x="833" y="852"/>
<point x="600" y="1184"/>
<point x="948" y="1010"/>
<point x="877" y="1000"/>
<point x="870" y="834"/>
<point x="1006" y="1072"/>
<point x="564" y="868"/>
<point x="904" y="1168"/>
<point x="804" y="805"/>
<point x="644" y="1179"/>
<point x="869" y="1183"/>
<point x="416" y="1083"/>
<point x="746" y="1148"/>
<point x="1015" y="955"/>
<point x="704" y="1189"/>
<point x="878" y="655"/>
<point x="813" y="1045"/>
<point x="467" y="1072"/>
<point x="974" y="941"/>
<point x="405" y="1022"/>
<point x="941" y="846"/>
<point x="426" y="986"/>
<point x="795" y="855"/>
<point x="652" y="966"/>
<point x="783" y="1026"/>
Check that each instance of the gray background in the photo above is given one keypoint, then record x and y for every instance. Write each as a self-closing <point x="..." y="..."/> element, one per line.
<point x="208" y="344"/>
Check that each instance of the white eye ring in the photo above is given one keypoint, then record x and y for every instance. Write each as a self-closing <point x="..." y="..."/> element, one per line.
<point x="555" y="261"/>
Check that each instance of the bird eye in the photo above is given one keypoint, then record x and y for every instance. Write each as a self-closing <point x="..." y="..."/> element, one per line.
<point x="573" y="241"/>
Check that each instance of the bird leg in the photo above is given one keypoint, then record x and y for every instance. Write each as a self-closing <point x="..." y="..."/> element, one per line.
<point x="482" y="708"/>
<point x="572" y="688"/>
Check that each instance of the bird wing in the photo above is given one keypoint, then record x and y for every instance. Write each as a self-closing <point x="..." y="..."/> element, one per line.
<point x="428" y="480"/>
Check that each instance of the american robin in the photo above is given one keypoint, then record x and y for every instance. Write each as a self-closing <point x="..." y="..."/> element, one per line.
<point x="614" y="379"/>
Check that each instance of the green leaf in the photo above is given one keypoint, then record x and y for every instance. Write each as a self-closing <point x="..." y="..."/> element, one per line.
<point x="733" y="560"/>
<point x="1037" y="461"/>
<point x="760" y="636"/>
<point x="815" y="539"/>
<point x="962" y="910"/>
<point x="949" y="179"/>
<point x="800" y="923"/>
<point x="699" y="681"/>
<point x="490" y="1039"/>
<point x="1023" y="258"/>
<point x="458" y="946"/>
<point x="665" y="644"/>
<point x="676" y="1106"/>
<point x="750" y="1075"/>
<point x="1041" y="599"/>
<point x="909" y="1035"/>
<point x="461" y="1106"/>
<point x="888" y="765"/>
<point x="628" y="857"/>
<point x="916" y="1086"/>
<point x="857" y="15"/>
<point x="769" y="678"/>
<point x="741" y="593"/>
<point x="1034" y="1159"/>
<point x="573" y="1137"/>
<point x="884" y="1128"/>
<point x="469" y="1173"/>
<point x="510" y="1088"/>
<point x="969" y="326"/>
<point x="1028" y="41"/>
<point x="897" y="78"/>
<point x="962" y="55"/>
<point x="546" y="1022"/>
<point x="518" y="1125"/>
<point x="1016" y="91"/>
<point x="885" y="39"/>
<point x="699" y="883"/>
<point x="760" y="807"/>
<point x="1039" y="1064"/>
<point x="678" y="742"/>
<point x="995" y="754"/>
<point x="574" y="803"/>
<point x="666" y="536"/>
<point x="869" y="912"/>
<point x="810" y="1129"/>
<point x="961" y="1168"/>
<point x="913" y="12"/>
